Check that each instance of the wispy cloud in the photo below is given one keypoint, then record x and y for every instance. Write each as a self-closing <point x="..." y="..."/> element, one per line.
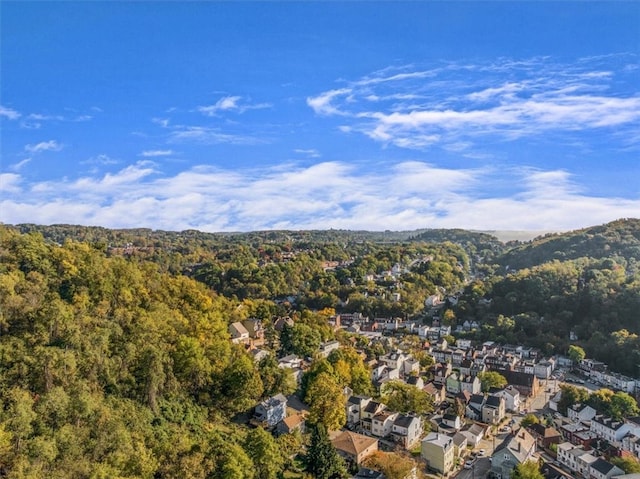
<point x="9" y="113"/>
<point x="231" y="103"/>
<point x="51" y="145"/>
<point x="400" y="196"/>
<point x="18" y="166"/>
<point x="155" y="153"/>
<point x="209" y="135"/>
<point x="461" y="103"/>
<point x="310" y="153"/>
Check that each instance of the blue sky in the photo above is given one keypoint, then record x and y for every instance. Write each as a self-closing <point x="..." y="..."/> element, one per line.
<point x="238" y="116"/>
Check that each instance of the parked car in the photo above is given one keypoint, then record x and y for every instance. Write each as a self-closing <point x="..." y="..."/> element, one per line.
<point x="469" y="463"/>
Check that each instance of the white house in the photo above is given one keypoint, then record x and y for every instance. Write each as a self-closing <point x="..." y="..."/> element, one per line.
<point x="382" y="423"/>
<point x="406" y="430"/>
<point x="511" y="398"/>
<point x="580" y="412"/>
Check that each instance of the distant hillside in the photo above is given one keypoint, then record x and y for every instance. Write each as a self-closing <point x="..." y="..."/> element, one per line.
<point x="618" y="238"/>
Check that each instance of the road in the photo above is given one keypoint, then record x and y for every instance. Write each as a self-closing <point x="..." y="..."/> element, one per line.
<point x="478" y="471"/>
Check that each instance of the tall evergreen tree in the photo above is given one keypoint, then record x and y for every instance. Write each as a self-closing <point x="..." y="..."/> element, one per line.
<point x="323" y="460"/>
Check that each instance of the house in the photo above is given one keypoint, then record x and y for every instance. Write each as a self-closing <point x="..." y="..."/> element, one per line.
<point x="370" y="410"/>
<point x="569" y="456"/>
<point x="511" y="397"/>
<point x="437" y="392"/>
<point x="473" y="409"/>
<point x="382" y="423"/>
<point x="353" y="447"/>
<point x="450" y="423"/>
<point x="326" y="348"/>
<point x="259" y="354"/>
<point x="283" y="321"/>
<point x="406" y="430"/>
<point x="611" y="430"/>
<point x="470" y="383"/>
<point x="439" y="452"/>
<point x="493" y="409"/>
<point x="460" y="443"/>
<point x="440" y="372"/>
<point x="578" y="434"/>
<point x="366" y="473"/>
<point x="527" y="384"/>
<point x="290" y="424"/>
<point x="271" y="411"/>
<point x="255" y="330"/>
<point x="515" y="449"/>
<point x="580" y="412"/>
<point x="354" y="406"/>
<point x="416" y="381"/>
<point x="394" y="360"/>
<point x="545" y="436"/>
<point x="584" y="462"/>
<point x="601" y="469"/>
<point x="410" y="366"/>
<point x="544" y="368"/>
<point x="239" y="334"/>
<point x="474" y="434"/>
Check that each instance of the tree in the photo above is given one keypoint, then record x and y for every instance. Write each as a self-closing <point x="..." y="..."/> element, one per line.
<point x="326" y="402"/>
<point x="527" y="470"/>
<point x="263" y="450"/>
<point x="571" y="395"/>
<point x="323" y="461"/>
<point x="492" y="379"/>
<point x="529" y="420"/>
<point x="402" y="397"/>
<point x="576" y="353"/>
<point x="393" y="465"/>
<point x="623" y="405"/>
<point x="630" y="465"/>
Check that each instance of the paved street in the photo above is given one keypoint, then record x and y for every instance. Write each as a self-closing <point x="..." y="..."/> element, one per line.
<point x="479" y="471"/>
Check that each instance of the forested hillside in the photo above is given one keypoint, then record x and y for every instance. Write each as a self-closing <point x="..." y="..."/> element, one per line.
<point x="115" y="356"/>
<point x="111" y="368"/>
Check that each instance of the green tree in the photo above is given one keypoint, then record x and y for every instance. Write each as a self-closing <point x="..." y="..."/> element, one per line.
<point x="263" y="450"/>
<point x="326" y="402"/>
<point x="529" y="420"/>
<point x="403" y="397"/>
<point x="630" y="465"/>
<point x="576" y="353"/>
<point x="527" y="470"/>
<point x="571" y="395"/>
<point x="623" y="405"/>
<point x="323" y="461"/>
<point x="491" y="379"/>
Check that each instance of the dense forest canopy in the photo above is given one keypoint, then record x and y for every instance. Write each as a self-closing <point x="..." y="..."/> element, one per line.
<point x="115" y="357"/>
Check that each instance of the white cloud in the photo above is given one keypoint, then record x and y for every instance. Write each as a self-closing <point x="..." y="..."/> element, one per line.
<point x="311" y="153"/>
<point x="231" y="103"/>
<point x="20" y="164"/>
<point x="322" y="104"/>
<point x="51" y="145"/>
<point x="462" y="103"/>
<point x="9" y="113"/>
<point x="155" y="153"/>
<point x="208" y="135"/>
<point x="400" y="196"/>
<point x="10" y="183"/>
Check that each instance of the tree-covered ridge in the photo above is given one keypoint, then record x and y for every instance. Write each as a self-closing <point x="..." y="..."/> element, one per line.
<point x="112" y="368"/>
<point x="620" y="238"/>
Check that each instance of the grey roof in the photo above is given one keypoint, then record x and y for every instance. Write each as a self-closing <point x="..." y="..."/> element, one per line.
<point x="602" y="466"/>
<point x="404" y="420"/>
<point x="493" y="401"/>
